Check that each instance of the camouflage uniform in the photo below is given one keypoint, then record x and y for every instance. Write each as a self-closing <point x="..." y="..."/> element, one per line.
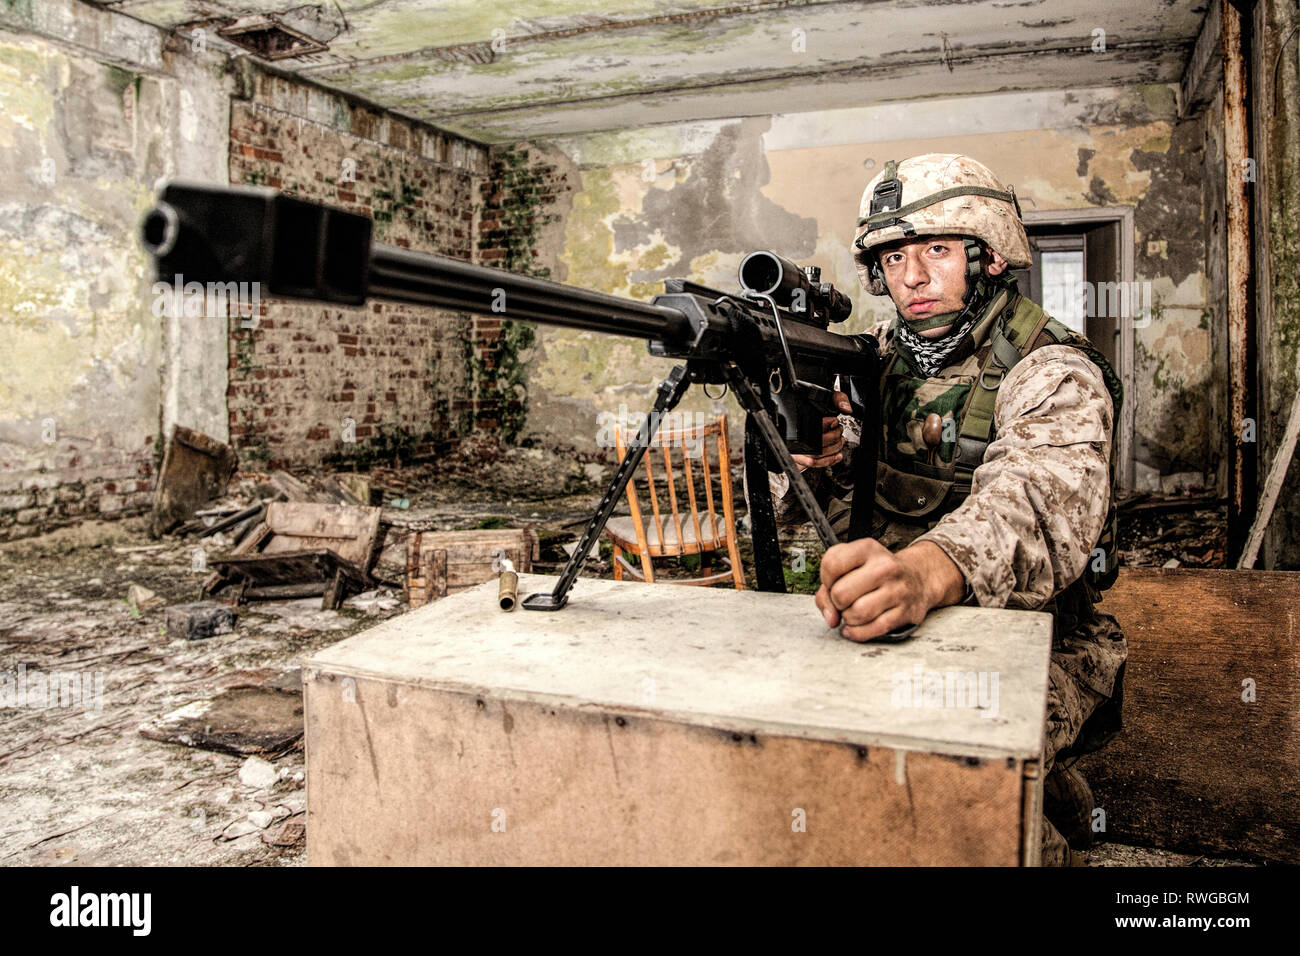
<point x="1023" y="530"/>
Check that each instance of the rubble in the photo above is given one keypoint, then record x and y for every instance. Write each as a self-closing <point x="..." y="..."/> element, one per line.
<point x="141" y="599"/>
<point x="374" y="602"/>
<point x="195" y="470"/>
<point x="193" y="622"/>
<point x="1191" y="530"/>
<point x="258" y="773"/>
<point x="301" y="549"/>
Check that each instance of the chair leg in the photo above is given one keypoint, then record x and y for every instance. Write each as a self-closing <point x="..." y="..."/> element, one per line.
<point x="618" y="565"/>
<point x="647" y="567"/>
<point x="733" y="553"/>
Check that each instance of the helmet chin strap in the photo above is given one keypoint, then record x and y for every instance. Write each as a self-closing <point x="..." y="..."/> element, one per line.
<point x="974" y="272"/>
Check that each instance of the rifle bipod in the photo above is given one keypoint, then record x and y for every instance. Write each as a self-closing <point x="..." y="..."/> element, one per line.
<point x="762" y="525"/>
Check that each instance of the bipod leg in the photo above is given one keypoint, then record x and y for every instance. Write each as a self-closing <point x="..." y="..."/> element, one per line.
<point x="671" y="390"/>
<point x="762" y="518"/>
<point x="749" y="399"/>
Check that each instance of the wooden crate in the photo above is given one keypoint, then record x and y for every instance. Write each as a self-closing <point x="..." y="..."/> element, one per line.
<point x="301" y="549"/>
<point x="660" y="726"/>
<point x="439" y="563"/>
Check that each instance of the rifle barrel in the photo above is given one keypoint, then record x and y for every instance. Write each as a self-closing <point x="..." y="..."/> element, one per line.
<point x="300" y="249"/>
<point x="426" y="279"/>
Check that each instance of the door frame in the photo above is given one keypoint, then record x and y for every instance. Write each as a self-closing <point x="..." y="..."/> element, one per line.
<point x="1123" y="217"/>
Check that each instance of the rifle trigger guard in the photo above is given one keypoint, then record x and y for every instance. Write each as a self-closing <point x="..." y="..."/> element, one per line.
<point x="717" y="398"/>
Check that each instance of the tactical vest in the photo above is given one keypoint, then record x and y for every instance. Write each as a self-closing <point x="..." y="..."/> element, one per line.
<point x="919" y="484"/>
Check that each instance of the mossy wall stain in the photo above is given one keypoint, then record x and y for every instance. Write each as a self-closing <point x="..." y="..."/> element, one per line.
<point x="1280" y="344"/>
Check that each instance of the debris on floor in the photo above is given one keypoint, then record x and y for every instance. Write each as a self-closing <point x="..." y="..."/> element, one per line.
<point x="203" y="619"/>
<point x="242" y="720"/>
<point x="1173" y="531"/>
<point x="195" y="470"/>
<point x="258" y="773"/>
<point x="376" y="603"/>
<point x="141" y="599"/>
<point x="301" y="549"/>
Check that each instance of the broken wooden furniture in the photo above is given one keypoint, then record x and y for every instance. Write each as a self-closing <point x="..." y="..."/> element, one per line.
<point x="1206" y="762"/>
<point x="606" y="734"/>
<point x="701" y="531"/>
<point x="301" y="550"/>
<point x="446" y="562"/>
<point x="195" y="470"/>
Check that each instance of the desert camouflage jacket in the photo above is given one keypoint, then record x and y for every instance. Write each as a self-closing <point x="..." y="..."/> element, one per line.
<point x="1037" y="504"/>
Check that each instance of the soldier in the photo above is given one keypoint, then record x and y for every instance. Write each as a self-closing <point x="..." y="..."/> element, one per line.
<point x="996" y="470"/>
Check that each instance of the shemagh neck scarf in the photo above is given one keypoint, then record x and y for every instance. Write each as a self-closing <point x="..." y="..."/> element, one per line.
<point x="929" y="355"/>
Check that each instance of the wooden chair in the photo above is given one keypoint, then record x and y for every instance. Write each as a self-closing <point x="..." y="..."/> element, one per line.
<point x="673" y="533"/>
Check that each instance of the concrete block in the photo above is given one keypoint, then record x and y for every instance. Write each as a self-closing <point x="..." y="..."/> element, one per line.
<point x="192" y="622"/>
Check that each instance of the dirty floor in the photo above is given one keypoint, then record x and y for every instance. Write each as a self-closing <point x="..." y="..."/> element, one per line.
<point x="79" y="784"/>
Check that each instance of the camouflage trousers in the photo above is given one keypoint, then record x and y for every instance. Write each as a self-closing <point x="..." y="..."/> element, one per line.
<point x="1070" y="702"/>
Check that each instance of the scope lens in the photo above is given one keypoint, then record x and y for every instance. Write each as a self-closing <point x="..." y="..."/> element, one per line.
<point x="760" y="272"/>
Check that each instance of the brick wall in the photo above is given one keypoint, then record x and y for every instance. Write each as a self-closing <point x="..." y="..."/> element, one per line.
<point x="394" y="370"/>
<point x="82" y="478"/>
<point x="519" y="198"/>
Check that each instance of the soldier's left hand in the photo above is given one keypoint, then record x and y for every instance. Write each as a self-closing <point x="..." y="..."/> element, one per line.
<point x="868" y="591"/>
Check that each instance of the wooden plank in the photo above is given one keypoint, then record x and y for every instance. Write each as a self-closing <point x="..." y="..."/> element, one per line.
<point x="1197" y="768"/>
<point x="467" y="559"/>
<point x="284" y="592"/>
<point x="195" y="470"/>
<point x="431" y="581"/>
<point x="1272" y="487"/>
<point x="290" y="487"/>
<point x="421" y="780"/>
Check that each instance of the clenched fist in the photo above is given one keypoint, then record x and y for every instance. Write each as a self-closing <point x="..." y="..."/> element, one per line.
<point x="868" y="591"/>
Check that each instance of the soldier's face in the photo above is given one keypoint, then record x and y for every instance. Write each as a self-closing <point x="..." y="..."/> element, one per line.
<point x="926" y="277"/>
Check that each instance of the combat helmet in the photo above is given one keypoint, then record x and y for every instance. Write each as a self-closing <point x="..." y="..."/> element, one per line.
<point x="938" y="194"/>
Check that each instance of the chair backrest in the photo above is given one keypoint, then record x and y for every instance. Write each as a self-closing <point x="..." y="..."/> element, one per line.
<point x="685" y="452"/>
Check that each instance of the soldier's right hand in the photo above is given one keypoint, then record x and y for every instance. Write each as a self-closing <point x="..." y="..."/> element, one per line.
<point x="832" y="439"/>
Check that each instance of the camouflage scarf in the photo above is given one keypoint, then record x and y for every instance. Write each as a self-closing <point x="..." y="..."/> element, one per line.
<point x="930" y="355"/>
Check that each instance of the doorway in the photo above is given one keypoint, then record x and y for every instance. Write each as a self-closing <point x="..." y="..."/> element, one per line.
<point x="1080" y="258"/>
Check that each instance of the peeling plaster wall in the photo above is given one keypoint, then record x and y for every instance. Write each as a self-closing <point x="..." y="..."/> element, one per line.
<point x="1279" y="233"/>
<point x="92" y="112"/>
<point x="1216" y="282"/>
<point x="692" y="199"/>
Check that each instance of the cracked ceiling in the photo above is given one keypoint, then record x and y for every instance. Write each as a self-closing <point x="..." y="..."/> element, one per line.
<point x="504" y="70"/>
